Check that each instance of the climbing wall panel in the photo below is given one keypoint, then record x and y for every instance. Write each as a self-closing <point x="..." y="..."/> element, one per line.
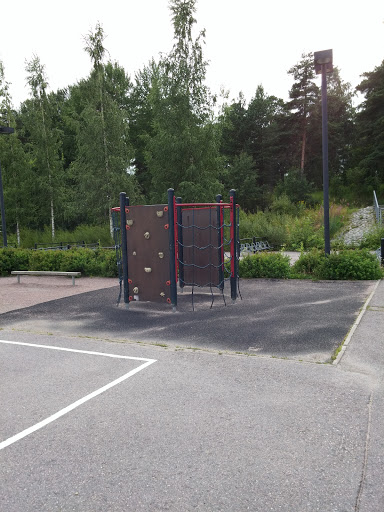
<point x="148" y="253"/>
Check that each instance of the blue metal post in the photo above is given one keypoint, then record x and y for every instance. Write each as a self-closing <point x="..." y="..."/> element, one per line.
<point x="124" y="201"/>
<point x="234" y="237"/>
<point x="382" y="251"/>
<point x="3" y="224"/>
<point x="324" y="111"/>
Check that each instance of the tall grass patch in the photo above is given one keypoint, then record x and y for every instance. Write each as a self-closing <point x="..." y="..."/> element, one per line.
<point x="293" y="226"/>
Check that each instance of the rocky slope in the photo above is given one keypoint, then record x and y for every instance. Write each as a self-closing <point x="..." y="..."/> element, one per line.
<point x="361" y="223"/>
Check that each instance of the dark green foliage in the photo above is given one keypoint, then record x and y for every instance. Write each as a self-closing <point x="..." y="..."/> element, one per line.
<point x="242" y="176"/>
<point x="342" y="265"/>
<point x="304" y="95"/>
<point x="283" y="205"/>
<point x="308" y="262"/>
<point x="104" y="151"/>
<point x="370" y="123"/>
<point x="13" y="259"/>
<point x="250" y="145"/>
<point x="99" y="262"/>
<point x="295" y="186"/>
<point x="75" y="149"/>
<point x="183" y="151"/>
<point x="44" y="145"/>
<point x="349" y="265"/>
<point x="267" y="265"/>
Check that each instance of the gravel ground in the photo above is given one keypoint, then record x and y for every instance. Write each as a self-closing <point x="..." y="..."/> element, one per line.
<point x="34" y="290"/>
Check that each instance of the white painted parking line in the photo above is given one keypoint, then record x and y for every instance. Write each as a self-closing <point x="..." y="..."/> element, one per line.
<point x="50" y="419"/>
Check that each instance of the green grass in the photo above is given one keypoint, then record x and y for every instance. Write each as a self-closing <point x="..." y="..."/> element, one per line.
<point x="294" y="227"/>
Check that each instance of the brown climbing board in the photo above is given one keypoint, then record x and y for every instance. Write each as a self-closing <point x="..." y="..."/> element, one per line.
<point x="148" y="253"/>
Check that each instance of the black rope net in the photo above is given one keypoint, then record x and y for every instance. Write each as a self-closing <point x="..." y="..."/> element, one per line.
<point x="203" y="249"/>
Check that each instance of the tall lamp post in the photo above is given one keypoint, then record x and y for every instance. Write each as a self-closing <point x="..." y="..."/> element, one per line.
<point x="324" y="65"/>
<point x="4" y="130"/>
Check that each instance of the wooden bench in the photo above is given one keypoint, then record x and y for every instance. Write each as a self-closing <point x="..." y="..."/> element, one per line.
<point x="19" y="273"/>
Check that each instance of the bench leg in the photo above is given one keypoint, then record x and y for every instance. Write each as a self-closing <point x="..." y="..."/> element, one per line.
<point x="73" y="280"/>
<point x="18" y="278"/>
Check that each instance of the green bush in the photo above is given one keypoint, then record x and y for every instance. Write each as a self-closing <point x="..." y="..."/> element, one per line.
<point x="349" y="264"/>
<point x="13" y="259"/>
<point x="273" y="265"/>
<point x="308" y="262"/>
<point x="45" y="260"/>
<point x="99" y="262"/>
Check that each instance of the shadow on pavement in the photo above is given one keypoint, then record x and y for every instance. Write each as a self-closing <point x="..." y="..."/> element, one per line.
<point x="295" y="319"/>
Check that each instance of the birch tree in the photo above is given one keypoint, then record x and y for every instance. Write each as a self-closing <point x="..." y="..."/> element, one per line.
<point x="104" y="151"/>
<point x="183" y="152"/>
<point x="44" y="140"/>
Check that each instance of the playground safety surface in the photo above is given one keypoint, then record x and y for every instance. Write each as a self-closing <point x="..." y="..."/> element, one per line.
<point x="297" y="319"/>
<point x="109" y="409"/>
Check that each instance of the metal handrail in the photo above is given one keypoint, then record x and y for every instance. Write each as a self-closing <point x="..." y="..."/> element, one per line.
<point x="378" y="209"/>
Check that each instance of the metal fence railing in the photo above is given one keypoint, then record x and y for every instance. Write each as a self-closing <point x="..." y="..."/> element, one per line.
<point x="378" y="209"/>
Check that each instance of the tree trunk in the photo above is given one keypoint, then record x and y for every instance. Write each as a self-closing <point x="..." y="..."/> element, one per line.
<point x="52" y="220"/>
<point x="110" y="222"/>
<point x="18" y="232"/>
<point x="303" y="143"/>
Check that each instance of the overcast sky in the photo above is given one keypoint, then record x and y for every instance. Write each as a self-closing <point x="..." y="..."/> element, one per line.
<point x="247" y="42"/>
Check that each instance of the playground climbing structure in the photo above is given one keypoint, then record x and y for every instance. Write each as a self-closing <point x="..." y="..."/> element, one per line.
<point x="166" y="247"/>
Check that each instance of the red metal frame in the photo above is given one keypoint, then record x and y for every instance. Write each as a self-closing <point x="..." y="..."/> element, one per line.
<point x="232" y="235"/>
<point x="232" y="207"/>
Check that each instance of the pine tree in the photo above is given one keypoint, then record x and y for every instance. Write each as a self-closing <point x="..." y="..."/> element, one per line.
<point x="370" y="125"/>
<point x="304" y="95"/>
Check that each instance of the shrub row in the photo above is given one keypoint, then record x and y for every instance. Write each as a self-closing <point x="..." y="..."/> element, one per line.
<point x="343" y="265"/>
<point x="348" y="264"/>
<point x="99" y="262"/>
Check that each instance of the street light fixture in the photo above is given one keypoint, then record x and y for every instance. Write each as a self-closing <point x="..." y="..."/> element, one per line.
<point x="324" y="65"/>
<point x="4" y="130"/>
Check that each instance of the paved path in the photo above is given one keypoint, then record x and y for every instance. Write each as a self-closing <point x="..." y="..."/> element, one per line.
<point x="34" y="290"/>
<point x="197" y="429"/>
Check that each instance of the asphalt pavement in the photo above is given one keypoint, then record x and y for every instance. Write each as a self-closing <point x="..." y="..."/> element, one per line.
<point x="240" y="407"/>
